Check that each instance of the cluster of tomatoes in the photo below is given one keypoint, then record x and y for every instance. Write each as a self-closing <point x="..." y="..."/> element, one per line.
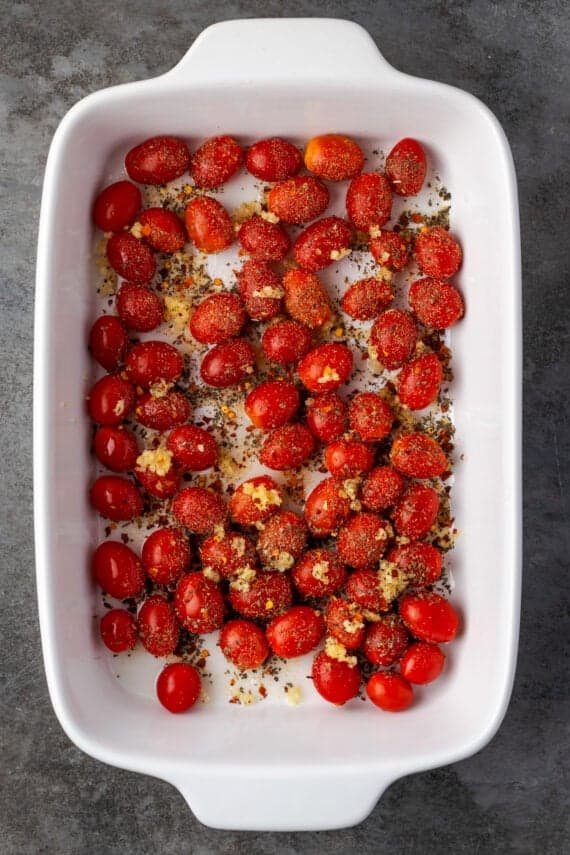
<point x="256" y="558"/>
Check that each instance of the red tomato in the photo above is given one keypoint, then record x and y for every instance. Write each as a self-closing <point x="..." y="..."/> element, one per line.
<point x="228" y="364"/>
<point x="286" y="342"/>
<point x="393" y="338"/>
<point x="268" y="595"/>
<point x="363" y="588"/>
<point x="178" y="687"/>
<point x="362" y="540"/>
<point x="406" y="167"/>
<point x="149" y="362"/>
<point x="347" y="459"/>
<point x="273" y="159"/>
<point x="199" y="604"/>
<point x="296" y="632"/>
<point x="218" y="319"/>
<point x="157" y="625"/>
<point x="216" y="161"/>
<point x="389" y="691"/>
<point x="421" y="562"/>
<point x="243" y="644"/>
<point x="429" y="616"/>
<point x="382" y="488"/>
<point x="416" y="511"/>
<point x="116" y="448"/>
<point x="422" y="663"/>
<point x="208" y="224"/>
<point x="327" y="416"/>
<point x="327" y="507"/>
<point x="199" y="509"/>
<point x="108" y="342"/>
<point x="264" y="240"/>
<point x="193" y="448"/>
<point x="162" y="413"/>
<point x="337" y="682"/>
<point x="306" y="299"/>
<point x="287" y="447"/>
<point x="345" y="623"/>
<point x="158" y="160"/>
<point x="227" y="553"/>
<point x="138" y="307"/>
<point x="418" y="456"/>
<point x="118" y="630"/>
<point x="272" y="404"/>
<point x="323" y="243"/>
<point x="318" y="573"/>
<point x="166" y="555"/>
<point x="334" y="157"/>
<point x="370" y="416"/>
<point x="131" y="258"/>
<point x="255" y="500"/>
<point x="298" y="200"/>
<point x="437" y="253"/>
<point x="326" y="367"/>
<point x="389" y="249"/>
<point x="117" y="206"/>
<point x="436" y="303"/>
<point x="386" y="641"/>
<point x="161" y="486"/>
<point x="369" y="201"/>
<point x="117" y="569"/>
<point x="366" y="298"/>
<point x="116" y="498"/>
<point x="419" y="381"/>
<point x="282" y="541"/>
<point x="261" y="291"/>
<point x="162" y="229"/>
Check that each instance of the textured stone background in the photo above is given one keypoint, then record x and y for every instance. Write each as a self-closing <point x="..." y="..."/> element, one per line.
<point x="513" y="796"/>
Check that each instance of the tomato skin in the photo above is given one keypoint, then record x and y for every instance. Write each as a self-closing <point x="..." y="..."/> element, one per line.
<point x="157" y="160"/>
<point x="390" y="692"/>
<point x="149" y="362"/>
<point x="159" y="486"/>
<point x="393" y="337"/>
<point x="193" y="448"/>
<point x="116" y="498"/>
<point x="162" y="229"/>
<point x="244" y="644"/>
<point x="422" y="663"/>
<point x="429" y="617"/>
<point x="327" y="507"/>
<point x="296" y="632"/>
<point x="436" y="303"/>
<point x="158" y="628"/>
<point x="348" y="459"/>
<point x="287" y="447"/>
<point x="269" y="595"/>
<point x="322" y="243"/>
<point x="208" y="224"/>
<point x="306" y="299"/>
<point x="422" y="562"/>
<point x="117" y="570"/>
<point x="362" y="588"/>
<point x="389" y="249"/>
<point x="362" y="540"/>
<point x="420" y="381"/>
<point x="228" y="364"/>
<point x="406" y="167"/>
<point x="108" y="342"/>
<point x="282" y="541"/>
<point x="255" y="500"/>
<point x="116" y="206"/>
<point x="166" y="555"/>
<point x="338" y="614"/>
<point x="273" y="159"/>
<point x="256" y="279"/>
<point x="216" y="161"/>
<point x="116" y="448"/>
<point x="130" y="258"/>
<point x="264" y="240"/>
<point x="162" y="413"/>
<point x="366" y="298"/>
<point x="438" y="254"/>
<point x="327" y="416"/>
<point x="330" y="573"/>
<point x="286" y="342"/>
<point x="326" y="367"/>
<point x="118" y="630"/>
<point x="336" y="682"/>
<point x="418" y="456"/>
<point x="199" y="604"/>
<point x="299" y="199"/>
<point x="369" y="201"/>
<point x="218" y="319"/>
<point x="138" y="307"/>
<point x="272" y="404"/>
<point x="386" y="641"/>
<point x="416" y="511"/>
<point x="199" y="509"/>
<point x="227" y="554"/>
<point x="381" y="489"/>
<point x="110" y="400"/>
<point x="334" y="157"/>
<point x="178" y="687"/>
<point x="370" y="416"/>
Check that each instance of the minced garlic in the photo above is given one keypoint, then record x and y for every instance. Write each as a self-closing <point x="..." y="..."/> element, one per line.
<point x="269" y="216"/>
<point x="339" y="254"/>
<point x="392" y="580"/>
<point x="137" y="230"/>
<point x="158" y="461"/>
<point x="294" y="695"/>
<point x="328" y="375"/>
<point x="176" y="311"/>
<point x="353" y="626"/>
<point x="243" y="578"/>
<point x="269" y="291"/>
<point x="338" y="651"/>
<point x="282" y="561"/>
<point x="320" y="572"/>
<point x="160" y="389"/>
<point x="261" y="496"/>
<point x="211" y="574"/>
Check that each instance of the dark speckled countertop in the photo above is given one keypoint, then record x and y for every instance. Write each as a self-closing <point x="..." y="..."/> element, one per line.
<point x="512" y="796"/>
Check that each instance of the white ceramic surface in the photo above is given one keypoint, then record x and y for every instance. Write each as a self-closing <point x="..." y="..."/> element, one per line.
<point x="273" y="766"/>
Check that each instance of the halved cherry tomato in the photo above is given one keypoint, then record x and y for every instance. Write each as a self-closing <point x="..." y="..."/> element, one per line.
<point x="108" y="342"/>
<point x="227" y="553"/>
<point x="162" y="412"/>
<point x="228" y="364"/>
<point x="335" y="681"/>
<point x="438" y="254"/>
<point x="306" y="299"/>
<point x="326" y="367"/>
<point x="218" y="318"/>
<point x="334" y="157"/>
<point x="296" y="632"/>
<point x="282" y="540"/>
<point x="419" y="381"/>
<point x="118" y="570"/>
<point x="366" y="298"/>
<point x="389" y="691"/>
<point x="273" y="159"/>
<point x="110" y="400"/>
<point x="348" y="459"/>
<point x="199" y="509"/>
<point x="272" y="404"/>
<point x="436" y="303"/>
<point x="389" y="249"/>
<point x="116" y="448"/>
<point x="382" y="488"/>
<point x="216" y="161"/>
<point x="327" y="507"/>
<point x="264" y="240"/>
<point x="260" y="289"/>
<point x="160" y="484"/>
<point x="393" y="338"/>
<point x="199" y="604"/>
<point x="269" y="595"/>
<point x="149" y="362"/>
<point x="327" y="416"/>
<point x="386" y="641"/>
<point x="158" y="160"/>
<point x="193" y="448"/>
<point x="157" y="626"/>
<point x="116" y="206"/>
<point x="345" y="623"/>
<point x="418" y="456"/>
<point x="370" y="416"/>
<point x="243" y="644"/>
<point x="286" y="342"/>
<point x="369" y="201"/>
<point x="416" y="511"/>
<point x="422" y="663"/>
<point x="323" y="243"/>
<point x="138" y="307"/>
<point x="363" y="588"/>
<point x="255" y="500"/>
<point x="318" y="573"/>
<point x="406" y="167"/>
<point x="362" y="540"/>
<point x="162" y="229"/>
<point x="421" y="562"/>
<point x="429" y="616"/>
<point x="178" y="687"/>
<point x="131" y="258"/>
<point x="299" y="199"/>
<point x="208" y="224"/>
<point x="287" y="447"/>
<point x="166" y="555"/>
<point x="118" y="630"/>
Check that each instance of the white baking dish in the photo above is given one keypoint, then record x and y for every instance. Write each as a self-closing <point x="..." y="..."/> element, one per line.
<point x="272" y="766"/>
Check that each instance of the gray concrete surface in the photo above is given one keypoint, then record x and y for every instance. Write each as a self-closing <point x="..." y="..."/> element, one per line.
<point x="513" y="796"/>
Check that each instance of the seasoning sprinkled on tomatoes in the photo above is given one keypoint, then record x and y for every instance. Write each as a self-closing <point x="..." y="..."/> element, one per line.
<point x="327" y="507"/>
<point x="296" y="632"/>
<point x="406" y="167"/>
<point x="436" y="303"/>
<point x="208" y="224"/>
<point x="166" y="555"/>
<point x="362" y="540"/>
<point x="131" y="258"/>
<point x="243" y="644"/>
<point x="264" y="240"/>
<point x="370" y="416"/>
<point x="334" y="157"/>
<point x="327" y="416"/>
<point x="158" y="160"/>
<point x="199" y="604"/>
<point x="369" y="201"/>
<point x="216" y="161"/>
<point x="418" y="456"/>
<point x="199" y="509"/>
<point x="419" y="381"/>
<point x="438" y="254"/>
<point x="393" y="338"/>
<point x="366" y="298"/>
<point x="193" y="448"/>
<point x="287" y="447"/>
<point x="323" y="243"/>
<point x="286" y="342"/>
<point x="162" y="412"/>
<point x="272" y="404"/>
<point x="218" y="318"/>
<point x="157" y="625"/>
<point x="282" y="541"/>
<point x="416" y="511"/>
<point x="116" y="498"/>
<point x="139" y="308"/>
<point x="336" y="681"/>
<point x="326" y="367"/>
<point x="299" y="199"/>
<point x="389" y="249"/>
<point x="261" y="290"/>
<point x="318" y="573"/>
<point x="348" y="459"/>
<point x="381" y="489"/>
<point x="306" y="299"/>
<point x="162" y="229"/>
<point x="255" y="500"/>
<point x="273" y="159"/>
<point x="150" y="362"/>
<point x="228" y="364"/>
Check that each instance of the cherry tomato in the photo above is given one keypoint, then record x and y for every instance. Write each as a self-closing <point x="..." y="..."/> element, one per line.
<point x="108" y="342"/>
<point x="158" y="160"/>
<point x="362" y="540"/>
<point x="327" y="507"/>
<point x="318" y="573"/>
<point x="227" y="553"/>
<point x="157" y="625"/>
<point x="389" y="691"/>
<point x="216" y="161"/>
<point x="218" y="319"/>
<point x="406" y="167"/>
<point x="287" y="447"/>
<point x="363" y="588"/>
<point x="117" y="206"/>
<point x="116" y="448"/>
<point x="138" y="307"/>
<point x="421" y="562"/>
<point x="193" y="448"/>
<point x="419" y="381"/>
<point x="116" y="498"/>
<point x="299" y="199"/>
<point x="199" y="604"/>
<point x="306" y="299"/>
<point x="393" y="338"/>
<point x="160" y="484"/>
<point x="260" y="289"/>
<point x="348" y="459"/>
<point x="418" y="456"/>
<point x="255" y="500"/>
<point x="286" y="342"/>
<point x="345" y="623"/>
<point x="429" y="616"/>
<point x="273" y="159"/>
<point x="282" y="541"/>
<point x="166" y="555"/>
<point x="326" y="367"/>
<point x="150" y="362"/>
<point x="163" y="412"/>
<point x="386" y="641"/>
<point x="382" y="488"/>
<point x="416" y="511"/>
<point x="228" y="364"/>
<point x="178" y="687"/>
<point x="269" y="595"/>
<point x="369" y="201"/>
<point x="131" y="258"/>
<point x="436" y="303"/>
<point x="389" y="249"/>
<point x="334" y="157"/>
<point x="162" y="229"/>
<point x="437" y="253"/>
<point x="366" y="298"/>
<point x="323" y="243"/>
<point x="208" y="224"/>
<point x="272" y="404"/>
<point x="422" y="663"/>
<point x="296" y="632"/>
<point x="337" y="682"/>
<point x="118" y="570"/>
<point x="118" y="630"/>
<point x="327" y="416"/>
<point x="243" y="644"/>
<point x="370" y="416"/>
<point x="264" y="240"/>
<point x="199" y="509"/>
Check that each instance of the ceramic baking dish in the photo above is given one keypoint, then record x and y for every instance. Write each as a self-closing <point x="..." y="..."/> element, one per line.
<point x="273" y="766"/>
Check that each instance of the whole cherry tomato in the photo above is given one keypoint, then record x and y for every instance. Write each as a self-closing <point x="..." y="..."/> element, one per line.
<point x="269" y="595"/>
<point x="216" y="161"/>
<point x="118" y="570"/>
<point x="370" y="416"/>
<point x="326" y="367"/>
<point x="363" y="588"/>
<point x="419" y="381"/>
<point x="178" y="687"/>
<point x="421" y="562"/>
<point x="436" y="303"/>
<point x="158" y="160"/>
<point x="118" y="630"/>
<point x="228" y="364"/>
<point x="227" y="553"/>
<point x="193" y="448"/>
<point x="327" y="507"/>
<point x="108" y="342"/>
<point x="218" y="319"/>
<point x="287" y="447"/>
<point x="345" y="623"/>
<point x="286" y="342"/>
<point x="131" y="258"/>
<point x="348" y="459"/>
<point x="255" y="500"/>
<point x="381" y="489"/>
<point x="362" y="540"/>
<point x="393" y="338"/>
<point x="165" y="555"/>
<point x="110" y="400"/>
<point x="199" y="509"/>
<point x="406" y="167"/>
<point x="335" y="681"/>
<point x="162" y="412"/>
<point x="422" y="663"/>
<point x="243" y="644"/>
<point x="389" y="249"/>
<point x="318" y="573"/>
<point x="416" y="511"/>
<point x="323" y="243"/>
<point x="306" y="299"/>
<point x="157" y="625"/>
<point x="390" y="692"/>
<point x="272" y="404"/>
<point x="366" y="298"/>
<point x="386" y="641"/>
<point x="282" y="540"/>
<point x="417" y="455"/>
<point x="260" y="289"/>
<point x="199" y="604"/>
<point x="116" y="498"/>
<point x="116" y="206"/>
<point x="438" y="254"/>
<point x="369" y="201"/>
<point x="429" y="616"/>
<point x="162" y="229"/>
<point x="264" y="240"/>
<point x="299" y="199"/>
<point x="327" y="416"/>
<point x="116" y="448"/>
<point x="138" y="307"/>
<point x="150" y="362"/>
<point x="296" y="632"/>
<point x="208" y="224"/>
<point x="334" y="157"/>
<point x="273" y="159"/>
